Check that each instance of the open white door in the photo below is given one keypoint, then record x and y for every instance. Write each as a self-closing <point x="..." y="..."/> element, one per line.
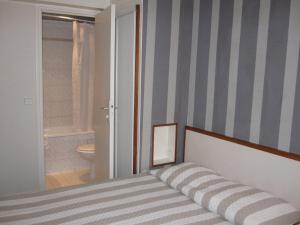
<point x="104" y="93"/>
<point x="125" y="71"/>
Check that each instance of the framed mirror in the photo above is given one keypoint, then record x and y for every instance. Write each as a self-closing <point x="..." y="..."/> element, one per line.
<point x="164" y="144"/>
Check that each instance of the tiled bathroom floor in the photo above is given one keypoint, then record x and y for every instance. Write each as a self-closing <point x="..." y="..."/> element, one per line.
<point x="68" y="178"/>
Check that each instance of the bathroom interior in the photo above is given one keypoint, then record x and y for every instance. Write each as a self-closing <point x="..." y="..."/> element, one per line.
<point x="68" y="71"/>
<point x="68" y="66"/>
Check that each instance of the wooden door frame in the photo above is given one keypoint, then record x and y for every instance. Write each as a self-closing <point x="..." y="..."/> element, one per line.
<point x="136" y="91"/>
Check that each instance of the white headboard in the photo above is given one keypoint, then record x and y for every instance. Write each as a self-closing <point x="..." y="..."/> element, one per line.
<point x="245" y="162"/>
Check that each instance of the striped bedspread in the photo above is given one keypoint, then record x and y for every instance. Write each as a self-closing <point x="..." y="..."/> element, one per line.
<point x="136" y="200"/>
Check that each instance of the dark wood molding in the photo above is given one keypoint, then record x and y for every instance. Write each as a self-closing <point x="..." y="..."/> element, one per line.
<point x="152" y="145"/>
<point x="164" y="124"/>
<point x="136" y="89"/>
<point x="259" y="147"/>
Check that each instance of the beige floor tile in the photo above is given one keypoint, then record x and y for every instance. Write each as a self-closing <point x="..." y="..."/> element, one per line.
<point x="67" y="178"/>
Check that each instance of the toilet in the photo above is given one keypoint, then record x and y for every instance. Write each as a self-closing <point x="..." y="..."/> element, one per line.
<point x="87" y="151"/>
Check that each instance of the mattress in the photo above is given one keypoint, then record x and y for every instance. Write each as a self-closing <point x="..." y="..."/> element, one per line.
<point x="136" y="200"/>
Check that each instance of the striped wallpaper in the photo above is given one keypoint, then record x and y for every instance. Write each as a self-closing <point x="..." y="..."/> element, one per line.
<point x="228" y="66"/>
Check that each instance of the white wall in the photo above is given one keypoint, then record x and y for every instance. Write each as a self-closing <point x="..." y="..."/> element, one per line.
<point x="19" y="156"/>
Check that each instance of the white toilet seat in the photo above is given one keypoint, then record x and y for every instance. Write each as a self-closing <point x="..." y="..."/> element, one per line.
<point x="87" y="148"/>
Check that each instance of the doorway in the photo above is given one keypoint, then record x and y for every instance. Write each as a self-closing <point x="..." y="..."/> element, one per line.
<point x="80" y="101"/>
<point x="68" y="62"/>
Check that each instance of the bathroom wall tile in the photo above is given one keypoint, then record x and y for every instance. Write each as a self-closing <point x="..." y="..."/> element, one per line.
<point x="61" y="121"/>
<point x="49" y="154"/>
<point x="80" y="164"/>
<point x="56" y="93"/>
<point x="57" y="29"/>
<point x="52" y="78"/>
<point x="57" y="74"/>
<point x="59" y="108"/>
<point x="57" y="55"/>
<point x="61" y="155"/>
<point x="91" y="141"/>
<point x="60" y="111"/>
<point x="46" y="122"/>
<point x="50" y="166"/>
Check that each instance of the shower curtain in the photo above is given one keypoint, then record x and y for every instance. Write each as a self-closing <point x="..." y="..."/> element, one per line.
<point x="83" y="63"/>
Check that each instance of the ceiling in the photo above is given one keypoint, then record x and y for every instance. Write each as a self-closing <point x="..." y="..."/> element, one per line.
<point x="88" y="4"/>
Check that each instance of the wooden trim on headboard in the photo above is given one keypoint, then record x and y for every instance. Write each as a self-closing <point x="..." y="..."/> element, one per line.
<point x="263" y="148"/>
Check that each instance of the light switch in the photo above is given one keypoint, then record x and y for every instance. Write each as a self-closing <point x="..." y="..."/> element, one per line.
<point x="28" y="101"/>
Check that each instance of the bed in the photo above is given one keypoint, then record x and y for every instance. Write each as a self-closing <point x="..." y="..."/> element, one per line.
<point x="135" y="200"/>
<point x="183" y="194"/>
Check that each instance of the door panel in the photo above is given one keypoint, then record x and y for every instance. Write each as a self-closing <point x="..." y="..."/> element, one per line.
<point x="104" y="93"/>
<point x="125" y="55"/>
